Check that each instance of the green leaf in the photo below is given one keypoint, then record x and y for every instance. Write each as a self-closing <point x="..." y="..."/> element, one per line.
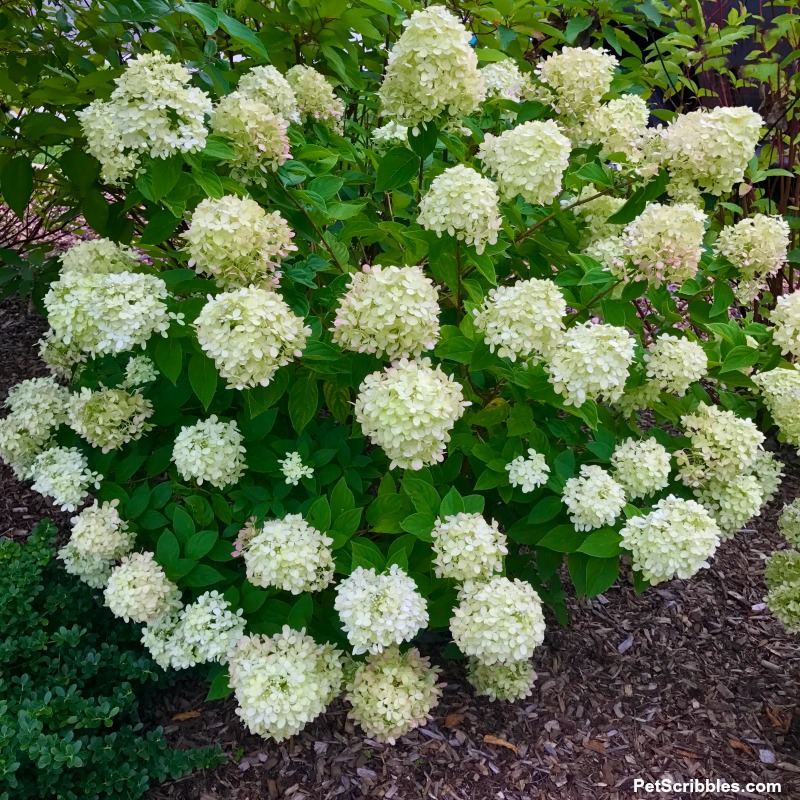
<point x="165" y="173"/>
<point x="262" y="398"/>
<point x="17" y="184"/>
<point x="319" y="515"/>
<point x="337" y="400"/>
<point x="546" y="509"/>
<point x="220" y="687"/>
<point x="396" y="168"/>
<point x="386" y="511"/>
<point x="168" y="550"/>
<point x="209" y="182"/>
<point x="723" y="298"/>
<point x="603" y="543"/>
<point x="303" y="401"/>
<point x="366" y="554"/>
<point x="341" y="499"/>
<point x="243" y="35"/>
<point x="182" y="524"/>
<point x="169" y="358"/>
<point x="575" y="27"/>
<point x="203" y="378"/>
<point x="202" y="575"/>
<point x="419" y="525"/>
<point x="423" y="495"/>
<point x="452" y="504"/>
<point x="218" y="148"/>
<point x="562" y="539"/>
<point x="739" y="357"/>
<point x="301" y="613"/>
<point x="160" y="227"/>
<point x="200" y="543"/>
<point x="423" y="143"/>
<point x="152" y="520"/>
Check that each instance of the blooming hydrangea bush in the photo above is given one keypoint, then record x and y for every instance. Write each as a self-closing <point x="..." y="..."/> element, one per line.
<point x="374" y="343"/>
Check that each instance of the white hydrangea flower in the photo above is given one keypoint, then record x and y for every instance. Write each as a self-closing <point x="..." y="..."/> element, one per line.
<point x="768" y="471"/>
<point x="233" y="240"/>
<point x="593" y="499"/>
<point x="250" y="333"/>
<point x="40" y="405"/>
<point x="709" y="149"/>
<point x="283" y="682"/>
<point x="610" y="252"/>
<point x="618" y="126"/>
<point x="528" y="473"/>
<point x="591" y="362"/>
<point x="392" y="693"/>
<point x="409" y="410"/>
<point x="524" y="320"/>
<point x="512" y="681"/>
<point x="464" y="204"/>
<point x="19" y="446"/>
<point x="758" y="248"/>
<point x="528" y="160"/>
<point x="789" y="522"/>
<point x="98" y="256"/>
<point x="105" y="314"/>
<point x="256" y="133"/>
<point x="732" y="503"/>
<point x="504" y="81"/>
<point x="467" y="547"/>
<point x="675" y="539"/>
<point x="109" y="418"/>
<point x="93" y="570"/>
<point x="289" y="554"/>
<point x="316" y="99"/>
<point x="139" y="590"/>
<point x="138" y="371"/>
<point x="63" y="360"/>
<point x="432" y="70"/>
<point x="643" y="396"/>
<point x="266" y="84"/>
<point x="665" y="243"/>
<point x="641" y="467"/>
<point x="499" y="621"/>
<point x="160" y="639"/>
<point x="578" y="77"/>
<point x="723" y="446"/>
<point x="390" y="134"/>
<point x="674" y="364"/>
<point x="294" y="469"/>
<point x="153" y="109"/>
<point x="63" y="474"/>
<point x="210" y="451"/>
<point x="389" y="311"/>
<point x="595" y="214"/>
<point x="379" y="610"/>
<point x="780" y="389"/>
<point x="100" y="531"/>
<point x="786" y="319"/>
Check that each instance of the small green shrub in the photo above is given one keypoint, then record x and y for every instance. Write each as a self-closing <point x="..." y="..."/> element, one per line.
<point x="70" y="682"/>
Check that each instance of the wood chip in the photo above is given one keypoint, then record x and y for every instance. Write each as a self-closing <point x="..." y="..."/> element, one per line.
<point x="489" y="739"/>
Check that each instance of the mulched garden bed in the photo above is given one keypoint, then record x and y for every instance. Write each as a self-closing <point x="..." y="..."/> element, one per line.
<point x="693" y="679"/>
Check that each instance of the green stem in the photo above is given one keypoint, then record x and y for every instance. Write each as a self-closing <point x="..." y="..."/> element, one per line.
<point x="588" y="305"/>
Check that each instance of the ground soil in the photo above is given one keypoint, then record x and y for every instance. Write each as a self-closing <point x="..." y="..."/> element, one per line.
<point x="693" y="679"/>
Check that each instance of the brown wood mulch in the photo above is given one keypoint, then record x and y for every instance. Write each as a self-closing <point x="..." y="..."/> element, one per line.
<point x="693" y="679"/>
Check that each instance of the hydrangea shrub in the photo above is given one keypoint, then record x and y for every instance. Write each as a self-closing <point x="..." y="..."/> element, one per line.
<point x="389" y="350"/>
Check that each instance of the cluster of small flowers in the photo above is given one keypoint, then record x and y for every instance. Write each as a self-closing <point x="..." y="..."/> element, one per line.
<point x="408" y="410"/>
<point x="138" y="590"/>
<point x="593" y="499"/>
<point x="268" y="86"/>
<point x="618" y="126"/>
<point x="289" y="554"/>
<point x="210" y="451"/>
<point x="37" y="408"/>
<point x="206" y="630"/>
<point x="257" y="135"/>
<point x="138" y="371"/>
<point x="513" y="681"/>
<point x="757" y="247"/>
<point x="99" y="538"/>
<point x="641" y="467"/>
<point x="392" y="133"/>
<point x="294" y="469"/>
<point x="732" y="502"/>
<point x="595" y="213"/>
<point x="674" y="364"/>
<point x="389" y="311"/>
<point x="233" y="240"/>
<point x="723" y="446"/>
<point x="789" y="522"/>
<point x="316" y="99"/>
<point x="528" y="473"/>
<point x="153" y="109"/>
<point x="467" y="547"/>
<point x="578" y="77"/>
<point x="786" y="320"/>
<point x="610" y="252"/>
<point x="498" y="621"/>
<point x="283" y="682"/>
<point x="524" y="320"/>
<point x="665" y="243"/>
<point x="432" y="70"/>
<point x="250" y="333"/>
<point x="504" y="81"/>
<point x="111" y="313"/>
<point x="109" y="418"/>
<point x="392" y="693"/>
<point x="709" y="150"/>
<point x="63" y="474"/>
<point x="782" y="575"/>
<point x="769" y="472"/>
<point x="591" y="362"/>
<point x="528" y="160"/>
<point x="98" y="257"/>
<point x="464" y="204"/>
<point x="780" y="389"/>
<point x="63" y="360"/>
<point x="379" y="610"/>
<point x="675" y="539"/>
